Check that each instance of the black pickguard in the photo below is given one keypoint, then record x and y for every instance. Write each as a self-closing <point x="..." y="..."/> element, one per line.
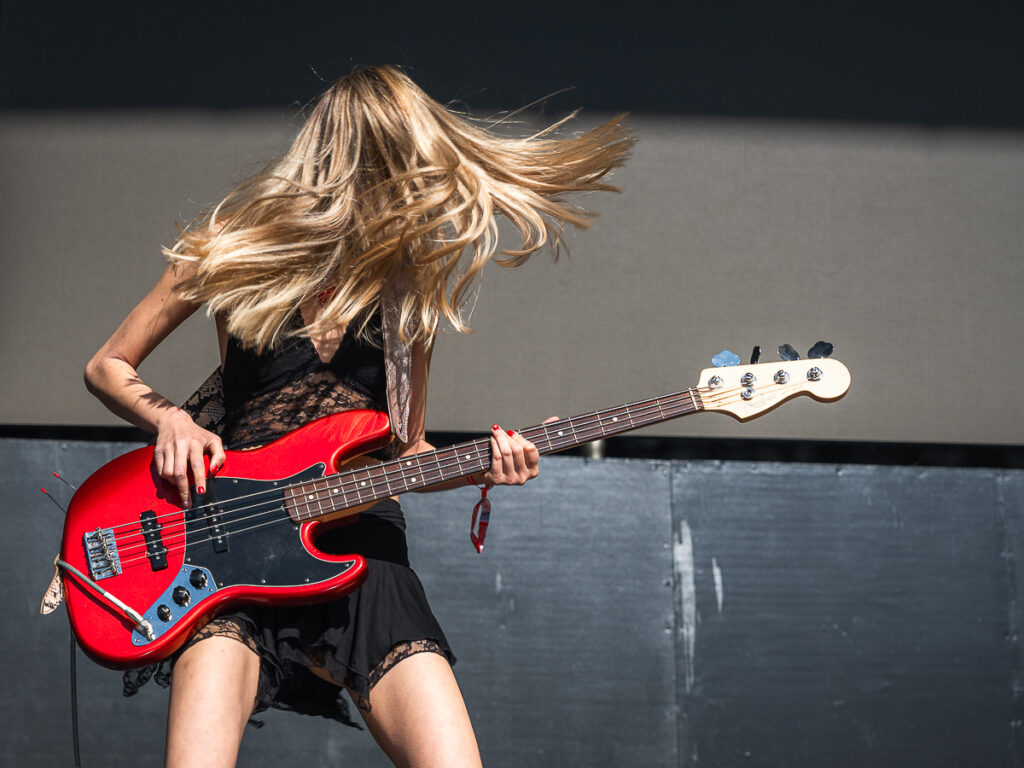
<point x="241" y="532"/>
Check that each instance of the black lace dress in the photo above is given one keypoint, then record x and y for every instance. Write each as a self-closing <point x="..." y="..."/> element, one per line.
<point x="356" y="638"/>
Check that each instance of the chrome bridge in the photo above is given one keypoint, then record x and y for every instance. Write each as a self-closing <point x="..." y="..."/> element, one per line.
<point x="101" y="552"/>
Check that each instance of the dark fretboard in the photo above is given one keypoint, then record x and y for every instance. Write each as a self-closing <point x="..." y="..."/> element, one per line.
<point x="351" y="488"/>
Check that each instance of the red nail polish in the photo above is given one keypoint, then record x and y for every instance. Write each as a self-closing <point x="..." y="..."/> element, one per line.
<point x="510" y="432"/>
<point x="201" y="490"/>
<point x="495" y="427"/>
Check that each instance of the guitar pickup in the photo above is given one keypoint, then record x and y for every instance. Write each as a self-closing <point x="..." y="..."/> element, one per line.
<point x="155" y="549"/>
<point x="218" y="536"/>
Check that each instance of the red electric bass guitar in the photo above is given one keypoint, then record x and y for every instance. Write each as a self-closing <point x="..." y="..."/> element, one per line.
<point x="141" y="575"/>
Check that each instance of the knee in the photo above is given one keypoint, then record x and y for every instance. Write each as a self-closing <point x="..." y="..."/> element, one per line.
<point x="218" y="663"/>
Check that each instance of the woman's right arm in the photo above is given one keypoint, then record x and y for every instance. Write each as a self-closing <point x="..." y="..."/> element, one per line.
<point x="112" y="376"/>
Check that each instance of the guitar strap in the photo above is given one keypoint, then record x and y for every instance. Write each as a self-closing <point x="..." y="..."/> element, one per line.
<point x="54" y="595"/>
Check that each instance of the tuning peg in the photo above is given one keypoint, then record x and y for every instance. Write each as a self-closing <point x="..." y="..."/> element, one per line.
<point x="820" y="349"/>
<point x="725" y="359"/>
<point x="786" y="352"/>
<point x="755" y="355"/>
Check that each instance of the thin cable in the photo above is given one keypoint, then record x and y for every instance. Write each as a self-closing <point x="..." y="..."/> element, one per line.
<point x="74" y="700"/>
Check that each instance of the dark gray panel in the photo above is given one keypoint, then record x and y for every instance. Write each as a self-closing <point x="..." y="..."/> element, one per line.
<point x="867" y="616"/>
<point x="863" y="616"/>
<point x="1010" y="490"/>
<point x="562" y="626"/>
<point x="35" y="708"/>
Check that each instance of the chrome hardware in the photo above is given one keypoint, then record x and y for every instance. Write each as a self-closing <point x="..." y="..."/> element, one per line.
<point x="725" y="359"/>
<point x="747" y="393"/>
<point x="101" y="551"/>
<point x="786" y="352"/>
<point x="814" y="374"/>
<point x="820" y="349"/>
<point x="168" y="608"/>
<point x="782" y="377"/>
<point x="715" y="382"/>
<point x="747" y="379"/>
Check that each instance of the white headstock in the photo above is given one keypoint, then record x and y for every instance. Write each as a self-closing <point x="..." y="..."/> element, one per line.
<point x="746" y="391"/>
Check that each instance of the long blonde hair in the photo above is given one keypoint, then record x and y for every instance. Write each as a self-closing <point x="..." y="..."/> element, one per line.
<point x="385" y="188"/>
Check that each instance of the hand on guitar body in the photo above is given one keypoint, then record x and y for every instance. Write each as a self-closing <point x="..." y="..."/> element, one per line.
<point x="182" y="446"/>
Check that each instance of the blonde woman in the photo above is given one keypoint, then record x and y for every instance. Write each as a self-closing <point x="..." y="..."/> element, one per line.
<point x="328" y="275"/>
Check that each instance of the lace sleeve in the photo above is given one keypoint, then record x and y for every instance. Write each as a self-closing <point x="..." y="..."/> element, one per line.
<point x="206" y="404"/>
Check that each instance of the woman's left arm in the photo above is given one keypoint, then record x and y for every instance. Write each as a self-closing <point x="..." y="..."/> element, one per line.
<point x="514" y="459"/>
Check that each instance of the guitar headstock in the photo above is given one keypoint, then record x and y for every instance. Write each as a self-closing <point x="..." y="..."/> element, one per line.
<point x="746" y="391"/>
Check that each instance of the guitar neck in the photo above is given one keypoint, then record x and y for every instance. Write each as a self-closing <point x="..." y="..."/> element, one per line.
<point x="316" y="498"/>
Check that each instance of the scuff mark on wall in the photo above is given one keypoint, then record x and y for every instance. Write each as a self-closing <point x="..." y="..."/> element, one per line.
<point x="682" y="564"/>
<point x="717" y="573"/>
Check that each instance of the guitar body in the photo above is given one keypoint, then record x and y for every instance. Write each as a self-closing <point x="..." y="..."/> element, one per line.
<point x="178" y="568"/>
<point x="141" y="575"/>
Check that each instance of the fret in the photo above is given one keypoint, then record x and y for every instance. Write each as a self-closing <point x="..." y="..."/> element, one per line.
<point x="547" y="439"/>
<point x="377" y="481"/>
<point x="337" y="492"/>
<point x="319" y="505"/>
<point x="436" y="474"/>
<point x="362" y="482"/>
<point x="414" y="465"/>
<point x="613" y="415"/>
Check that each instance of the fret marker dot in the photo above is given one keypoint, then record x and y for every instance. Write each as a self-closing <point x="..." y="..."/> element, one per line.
<point x="310" y="496"/>
<point x="560" y="433"/>
<point x="335" y="490"/>
<point x="412" y="480"/>
<point x="615" y="418"/>
<point x="467" y="455"/>
<point x="363" y="483"/>
<point x="408" y="463"/>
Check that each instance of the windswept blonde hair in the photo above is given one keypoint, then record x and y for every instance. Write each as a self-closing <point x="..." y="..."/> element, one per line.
<point x="385" y="188"/>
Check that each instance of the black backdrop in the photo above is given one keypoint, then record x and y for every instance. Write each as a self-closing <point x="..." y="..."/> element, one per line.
<point x="936" y="63"/>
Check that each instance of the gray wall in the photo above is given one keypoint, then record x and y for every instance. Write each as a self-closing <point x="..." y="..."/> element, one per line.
<point x="633" y="613"/>
<point x="898" y="244"/>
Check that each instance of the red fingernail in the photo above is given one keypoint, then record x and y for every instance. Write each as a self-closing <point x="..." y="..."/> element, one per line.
<point x="201" y="490"/>
<point x="495" y="427"/>
<point x="511" y="432"/>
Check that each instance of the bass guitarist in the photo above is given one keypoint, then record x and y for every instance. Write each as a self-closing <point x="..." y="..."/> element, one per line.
<point x="328" y="275"/>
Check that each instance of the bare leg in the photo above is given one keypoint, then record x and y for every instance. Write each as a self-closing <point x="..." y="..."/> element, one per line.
<point x="212" y="695"/>
<point x="418" y="716"/>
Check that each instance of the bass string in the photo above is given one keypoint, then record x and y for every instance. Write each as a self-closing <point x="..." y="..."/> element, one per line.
<point x="384" y="474"/>
<point x="182" y="547"/>
<point x="389" y="472"/>
<point x="719" y="397"/>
